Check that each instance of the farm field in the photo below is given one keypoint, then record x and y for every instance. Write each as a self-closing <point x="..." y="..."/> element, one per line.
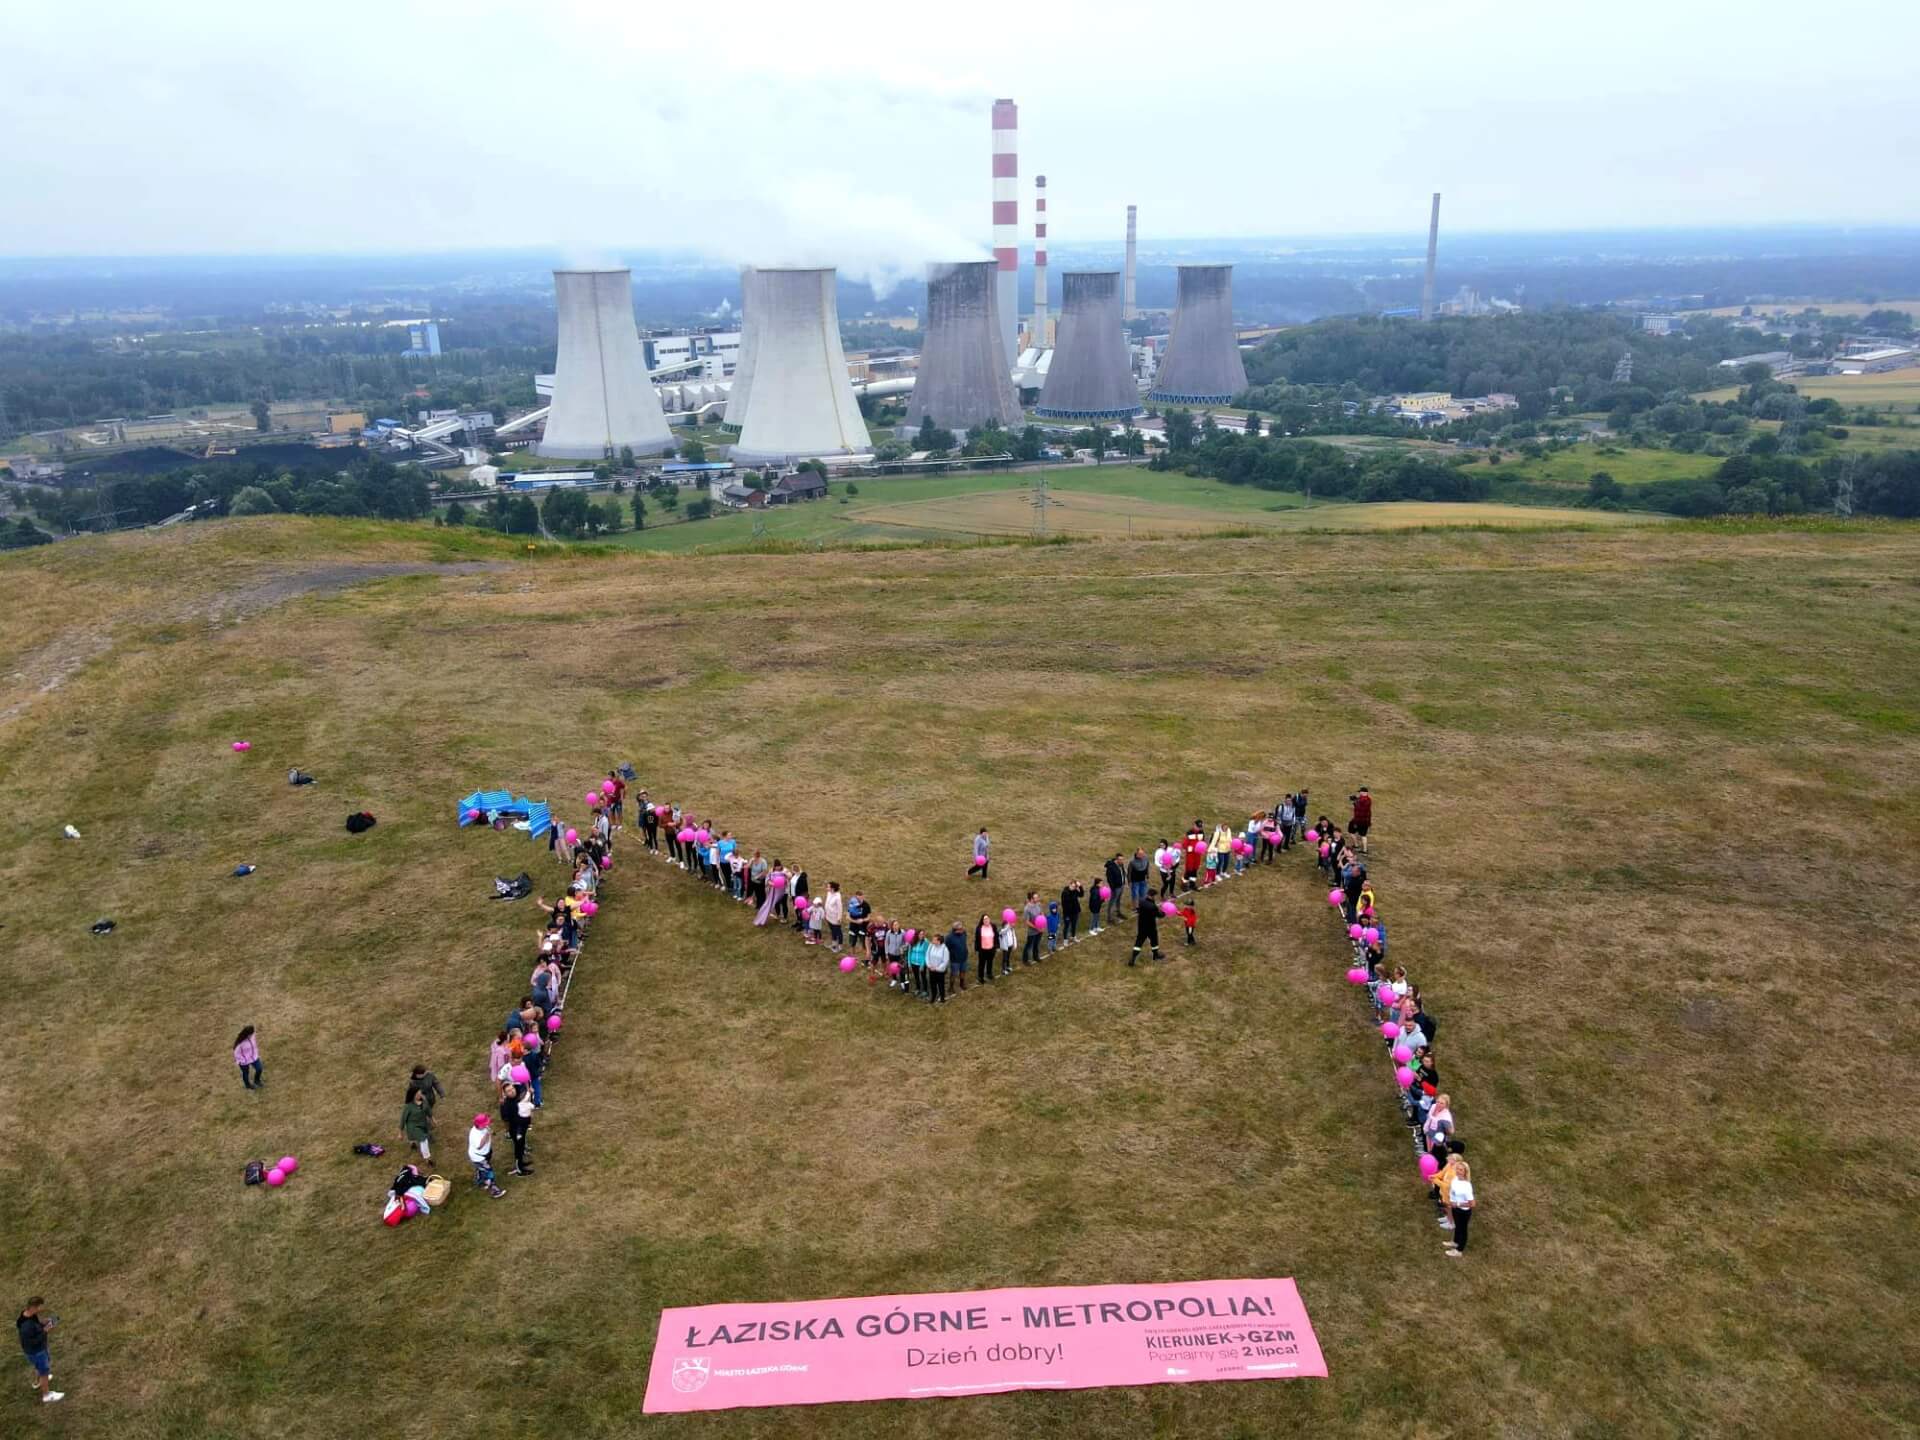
<point x="1093" y="502"/>
<point x="1647" y="835"/>
<point x="1830" y="307"/>
<point x="1896" y="390"/>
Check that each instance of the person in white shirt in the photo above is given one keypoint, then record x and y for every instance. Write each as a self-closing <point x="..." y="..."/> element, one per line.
<point x="480" y="1153"/>
<point x="835" y="908"/>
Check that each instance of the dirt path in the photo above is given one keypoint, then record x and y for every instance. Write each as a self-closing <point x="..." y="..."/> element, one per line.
<point x="45" y="670"/>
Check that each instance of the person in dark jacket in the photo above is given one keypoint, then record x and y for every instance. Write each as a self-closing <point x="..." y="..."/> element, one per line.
<point x="1146" y="932"/>
<point x="1362" y="820"/>
<point x="428" y="1084"/>
<point x="1070" y="911"/>
<point x="957" y="955"/>
<point x="33" y="1328"/>
<point x="1117" y="881"/>
<point x="517" y="1125"/>
<point x="416" y="1124"/>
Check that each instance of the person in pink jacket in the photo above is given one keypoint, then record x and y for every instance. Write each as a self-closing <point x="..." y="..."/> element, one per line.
<point x="246" y="1054"/>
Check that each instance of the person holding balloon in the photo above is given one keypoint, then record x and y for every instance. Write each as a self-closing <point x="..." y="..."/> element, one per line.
<point x="516" y="1113"/>
<point x="1035" y="915"/>
<point x="1009" y="940"/>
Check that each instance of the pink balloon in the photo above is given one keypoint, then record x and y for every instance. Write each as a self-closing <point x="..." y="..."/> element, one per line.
<point x="1041" y="923"/>
<point x="910" y="935"/>
<point x="1402" y="1054"/>
<point x="1006" y="916"/>
<point x="606" y="865"/>
<point x="1313" y="837"/>
<point x="847" y="963"/>
<point x="553" y="1023"/>
<point x="1167" y="907"/>
<point x="1106" y="892"/>
<point x="801" y="903"/>
<point x="573" y="836"/>
<point x="702" y="835"/>
<point x="893" y="967"/>
<point x="1404" y="1076"/>
<point x="276" y="1177"/>
<point x="1429" y="1167"/>
<point x="242" y="745"/>
<point x="1325" y="850"/>
<point x="1353" y="932"/>
<point x="473" y="814"/>
<point x="288" y="1165"/>
<point x="606" y="787"/>
<point x="531" y="1040"/>
<point x="589" y="907"/>
<point x="777" y="880"/>
<point x="686" y="836"/>
<point x="1388" y="1030"/>
<point x="520" y="1075"/>
<point x="1356" y="976"/>
<point x="1272" y="837"/>
<point x="1334" y="897"/>
<point x="661" y="812"/>
<point x="1370" y="935"/>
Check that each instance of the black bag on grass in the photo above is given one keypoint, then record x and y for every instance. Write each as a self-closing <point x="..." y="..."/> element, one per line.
<point x="255" y="1172"/>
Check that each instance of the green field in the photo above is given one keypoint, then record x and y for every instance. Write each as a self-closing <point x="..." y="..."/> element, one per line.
<point x="1088" y="502"/>
<point x="1894" y="390"/>
<point x="1571" y="469"/>
<point x="1647" y="835"/>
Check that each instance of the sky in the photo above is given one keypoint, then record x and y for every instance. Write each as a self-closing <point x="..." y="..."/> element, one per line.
<point x="856" y="134"/>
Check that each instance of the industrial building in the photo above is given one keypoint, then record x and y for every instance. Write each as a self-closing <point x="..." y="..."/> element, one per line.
<point x="1090" y="375"/>
<point x="742" y="387"/>
<point x="802" y="403"/>
<point x="963" y="379"/>
<point x="603" y="401"/>
<point x="1202" y="365"/>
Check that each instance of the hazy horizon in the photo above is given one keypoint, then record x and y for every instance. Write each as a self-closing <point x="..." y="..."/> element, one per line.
<point x="216" y="128"/>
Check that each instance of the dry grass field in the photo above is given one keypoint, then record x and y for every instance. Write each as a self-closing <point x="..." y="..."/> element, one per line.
<point x="1648" y="835"/>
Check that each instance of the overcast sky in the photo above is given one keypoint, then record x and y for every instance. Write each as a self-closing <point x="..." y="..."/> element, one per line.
<point x="812" y="131"/>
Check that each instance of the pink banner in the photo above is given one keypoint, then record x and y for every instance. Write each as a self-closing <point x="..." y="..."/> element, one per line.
<point x="906" y="1347"/>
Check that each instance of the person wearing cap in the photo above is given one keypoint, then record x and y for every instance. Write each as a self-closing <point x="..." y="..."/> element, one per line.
<point x="480" y="1153"/>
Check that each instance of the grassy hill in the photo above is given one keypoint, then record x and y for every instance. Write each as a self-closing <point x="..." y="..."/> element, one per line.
<point x="1647" y="835"/>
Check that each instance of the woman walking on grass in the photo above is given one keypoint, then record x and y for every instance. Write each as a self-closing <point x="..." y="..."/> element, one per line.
<point x="416" y="1124"/>
<point x="246" y="1054"/>
<point x="979" y="865"/>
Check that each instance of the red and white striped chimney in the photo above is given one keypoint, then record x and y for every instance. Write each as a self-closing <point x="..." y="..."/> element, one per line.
<point x="1039" y="336"/>
<point x="1006" y="219"/>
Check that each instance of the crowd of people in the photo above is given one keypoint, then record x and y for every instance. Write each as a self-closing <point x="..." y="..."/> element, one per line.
<point x="523" y="1046"/>
<point x="931" y="963"/>
<point x="1406" y="1027"/>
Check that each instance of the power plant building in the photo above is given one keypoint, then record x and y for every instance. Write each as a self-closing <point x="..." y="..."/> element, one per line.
<point x="802" y="402"/>
<point x="742" y="388"/>
<point x="1090" y="376"/>
<point x="963" y="379"/>
<point x="602" y="399"/>
<point x="1202" y="365"/>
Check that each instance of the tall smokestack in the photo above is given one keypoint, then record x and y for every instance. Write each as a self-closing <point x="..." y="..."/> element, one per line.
<point x="1040" y="262"/>
<point x="802" y="403"/>
<point x="1089" y="377"/>
<point x="1433" y="250"/>
<point x="1128" y="309"/>
<point x="1006" y="220"/>
<point x="602" y="398"/>
<point x="1202" y="364"/>
<point x="962" y="380"/>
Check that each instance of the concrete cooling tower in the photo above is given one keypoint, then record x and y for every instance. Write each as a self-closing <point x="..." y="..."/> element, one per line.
<point x="1202" y="364"/>
<point x="802" y="403"/>
<point x="742" y="387"/>
<point x="602" y="398"/>
<point x="963" y="379"/>
<point x="1089" y="378"/>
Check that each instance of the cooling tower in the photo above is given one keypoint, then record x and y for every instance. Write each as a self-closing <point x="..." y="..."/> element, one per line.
<point x="736" y="411"/>
<point x="963" y="380"/>
<point x="602" y="398"/>
<point x="1433" y="253"/>
<point x="802" y="403"/>
<point x="1089" y="378"/>
<point x="1202" y="365"/>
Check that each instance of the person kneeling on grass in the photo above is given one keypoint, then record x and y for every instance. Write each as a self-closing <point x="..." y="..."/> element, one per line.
<point x="480" y="1154"/>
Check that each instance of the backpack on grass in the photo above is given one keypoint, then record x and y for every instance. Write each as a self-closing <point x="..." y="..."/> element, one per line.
<point x="255" y="1173"/>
